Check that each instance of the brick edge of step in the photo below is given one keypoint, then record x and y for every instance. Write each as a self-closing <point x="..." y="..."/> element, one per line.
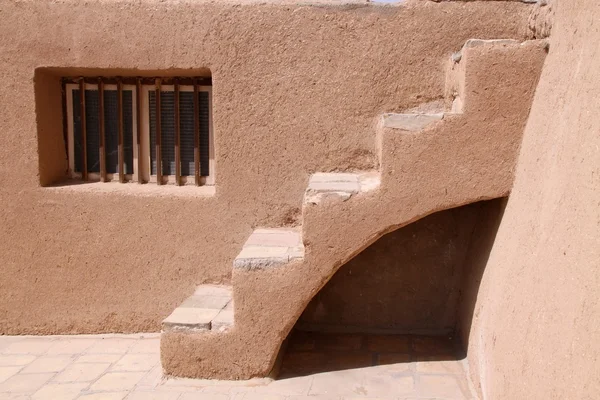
<point x="210" y="308"/>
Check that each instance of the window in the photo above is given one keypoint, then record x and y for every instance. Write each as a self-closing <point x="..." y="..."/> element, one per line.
<point x="140" y="130"/>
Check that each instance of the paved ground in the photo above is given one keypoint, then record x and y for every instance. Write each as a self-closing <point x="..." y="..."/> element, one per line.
<point x="127" y="367"/>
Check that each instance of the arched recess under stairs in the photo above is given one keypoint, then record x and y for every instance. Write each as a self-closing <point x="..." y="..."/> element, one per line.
<point x="407" y="297"/>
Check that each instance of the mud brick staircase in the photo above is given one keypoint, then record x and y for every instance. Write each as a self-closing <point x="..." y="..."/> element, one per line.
<point x="428" y="161"/>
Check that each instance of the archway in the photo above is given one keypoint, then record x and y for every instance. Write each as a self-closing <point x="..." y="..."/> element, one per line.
<point x="408" y="297"/>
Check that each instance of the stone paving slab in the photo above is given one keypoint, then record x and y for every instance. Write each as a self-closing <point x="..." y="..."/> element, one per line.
<point x="127" y="367"/>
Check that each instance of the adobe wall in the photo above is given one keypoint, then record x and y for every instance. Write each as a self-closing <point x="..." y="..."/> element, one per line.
<point x="296" y="89"/>
<point x="536" y="332"/>
<point x="408" y="281"/>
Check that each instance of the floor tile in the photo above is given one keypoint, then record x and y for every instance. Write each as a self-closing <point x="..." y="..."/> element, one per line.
<point x="103" y="396"/>
<point x="139" y="395"/>
<point x="149" y="346"/>
<point x="136" y="362"/>
<point x="116" y="381"/>
<point x="152" y="378"/>
<point x="15" y="360"/>
<point x="6" y="341"/>
<point x="291" y="386"/>
<point x="262" y="396"/>
<point x="7" y="372"/>
<point x="441" y="386"/>
<point x="48" y="364"/>
<point x="67" y="391"/>
<point x="24" y="383"/>
<point x="440" y="367"/>
<point x="29" y="346"/>
<point x="339" y="383"/>
<point x="70" y="346"/>
<point x="112" y="346"/>
<point x="204" y="396"/>
<point x="382" y="385"/>
<point x="15" y="396"/>
<point x="81" y="372"/>
<point x="99" y="358"/>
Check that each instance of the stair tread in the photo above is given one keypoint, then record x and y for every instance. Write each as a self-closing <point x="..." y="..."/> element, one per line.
<point x="222" y="321"/>
<point x="470" y="43"/>
<point x="270" y="247"/>
<point x="411" y="121"/>
<point x="342" y="185"/>
<point x="209" y="308"/>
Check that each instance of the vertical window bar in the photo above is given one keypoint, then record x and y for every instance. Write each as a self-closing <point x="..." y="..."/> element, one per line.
<point x="138" y="114"/>
<point x="196" y="136"/>
<point x="65" y="121"/>
<point x="120" y="148"/>
<point x="177" y="137"/>
<point x="84" y="174"/>
<point x="101" y="130"/>
<point x="158" y="135"/>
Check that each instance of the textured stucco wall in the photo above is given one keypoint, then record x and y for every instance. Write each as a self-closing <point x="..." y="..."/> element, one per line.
<point x="297" y="89"/>
<point x="536" y="332"/>
<point x="409" y="281"/>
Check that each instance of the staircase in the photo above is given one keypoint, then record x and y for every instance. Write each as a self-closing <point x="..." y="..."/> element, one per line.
<point x="429" y="160"/>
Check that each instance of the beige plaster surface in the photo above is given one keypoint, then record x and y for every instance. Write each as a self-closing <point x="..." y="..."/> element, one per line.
<point x="297" y="89"/>
<point x="536" y="332"/>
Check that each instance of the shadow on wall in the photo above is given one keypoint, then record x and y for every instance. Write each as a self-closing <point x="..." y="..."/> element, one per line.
<point x="480" y="247"/>
<point x="410" y="281"/>
<point x="310" y="353"/>
<point x="408" y="297"/>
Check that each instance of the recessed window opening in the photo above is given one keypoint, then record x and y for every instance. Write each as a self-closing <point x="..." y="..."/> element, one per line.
<point x="140" y="130"/>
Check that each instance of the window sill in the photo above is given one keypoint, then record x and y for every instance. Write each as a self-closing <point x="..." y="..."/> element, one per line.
<point x="134" y="189"/>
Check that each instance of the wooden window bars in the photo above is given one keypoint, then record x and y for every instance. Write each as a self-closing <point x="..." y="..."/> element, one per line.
<point x="140" y="129"/>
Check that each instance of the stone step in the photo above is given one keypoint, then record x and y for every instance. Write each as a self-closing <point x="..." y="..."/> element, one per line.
<point x="427" y="114"/>
<point x="270" y="248"/>
<point x="210" y="308"/>
<point x="411" y="122"/>
<point x="471" y="43"/>
<point x="323" y="185"/>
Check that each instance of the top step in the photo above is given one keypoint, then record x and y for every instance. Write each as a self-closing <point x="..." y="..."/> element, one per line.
<point x="340" y="185"/>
